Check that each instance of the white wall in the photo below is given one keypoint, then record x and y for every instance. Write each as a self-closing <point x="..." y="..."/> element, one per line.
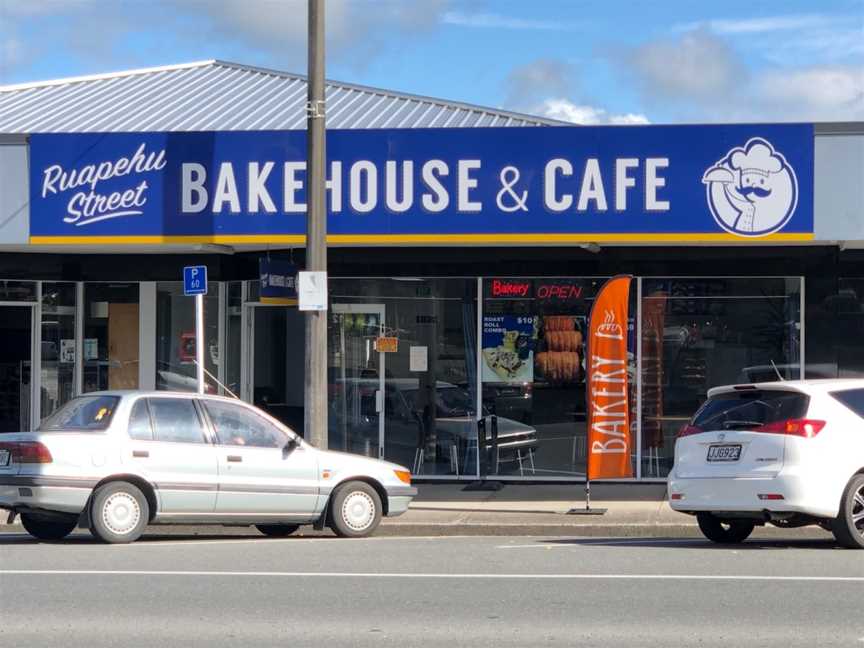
<point x="14" y="214"/>
<point x="839" y="187"/>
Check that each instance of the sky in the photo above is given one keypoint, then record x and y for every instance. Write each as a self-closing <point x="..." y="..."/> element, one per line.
<point x="585" y="61"/>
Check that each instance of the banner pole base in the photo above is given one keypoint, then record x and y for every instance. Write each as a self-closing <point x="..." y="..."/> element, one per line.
<point x="587" y="510"/>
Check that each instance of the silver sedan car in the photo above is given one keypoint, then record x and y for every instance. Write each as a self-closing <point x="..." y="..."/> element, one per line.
<point x="117" y="461"/>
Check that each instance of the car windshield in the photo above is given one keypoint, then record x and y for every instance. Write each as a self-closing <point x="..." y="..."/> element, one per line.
<point x="748" y="409"/>
<point x="92" y="413"/>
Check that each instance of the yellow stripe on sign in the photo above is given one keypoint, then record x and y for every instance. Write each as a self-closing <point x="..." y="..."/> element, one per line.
<point x="282" y="301"/>
<point x="372" y="239"/>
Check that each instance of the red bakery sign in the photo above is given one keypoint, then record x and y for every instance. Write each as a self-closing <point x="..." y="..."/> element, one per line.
<point x="519" y="288"/>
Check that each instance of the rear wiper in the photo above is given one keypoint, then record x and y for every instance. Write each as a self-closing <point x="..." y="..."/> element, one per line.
<point x="729" y="425"/>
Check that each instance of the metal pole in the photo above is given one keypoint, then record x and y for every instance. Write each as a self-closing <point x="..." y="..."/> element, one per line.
<point x="199" y="341"/>
<point x="315" y="420"/>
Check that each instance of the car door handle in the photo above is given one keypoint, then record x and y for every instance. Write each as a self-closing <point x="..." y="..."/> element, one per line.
<point x="235" y="458"/>
<point x="140" y="454"/>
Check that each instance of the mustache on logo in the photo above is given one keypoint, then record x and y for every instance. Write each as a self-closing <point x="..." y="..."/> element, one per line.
<point x="755" y="191"/>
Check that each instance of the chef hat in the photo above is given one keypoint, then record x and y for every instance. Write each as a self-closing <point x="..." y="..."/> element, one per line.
<point x="758" y="158"/>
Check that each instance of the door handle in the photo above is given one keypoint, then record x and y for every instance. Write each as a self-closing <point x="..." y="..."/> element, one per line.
<point x="140" y="454"/>
<point x="235" y="458"/>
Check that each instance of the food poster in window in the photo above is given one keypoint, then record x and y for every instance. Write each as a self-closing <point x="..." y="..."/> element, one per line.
<point x="560" y="347"/>
<point x="508" y="348"/>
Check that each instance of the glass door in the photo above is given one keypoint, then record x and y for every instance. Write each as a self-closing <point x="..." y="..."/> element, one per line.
<point x="356" y="374"/>
<point x="274" y="362"/>
<point x="16" y="376"/>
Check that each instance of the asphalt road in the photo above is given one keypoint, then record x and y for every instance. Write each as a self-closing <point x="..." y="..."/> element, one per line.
<point x="229" y="590"/>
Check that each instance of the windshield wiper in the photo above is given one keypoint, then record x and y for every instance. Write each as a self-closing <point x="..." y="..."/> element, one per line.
<point x="743" y="425"/>
<point x="726" y="412"/>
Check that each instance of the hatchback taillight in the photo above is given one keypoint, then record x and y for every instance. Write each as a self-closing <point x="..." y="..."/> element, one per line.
<point x="31" y="452"/>
<point x="687" y="430"/>
<point x="807" y="428"/>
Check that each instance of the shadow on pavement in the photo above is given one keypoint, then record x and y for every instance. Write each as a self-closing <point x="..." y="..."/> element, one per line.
<point x="86" y="539"/>
<point x="697" y="543"/>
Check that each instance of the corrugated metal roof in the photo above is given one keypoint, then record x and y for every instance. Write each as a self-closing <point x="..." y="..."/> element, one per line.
<point x="215" y="95"/>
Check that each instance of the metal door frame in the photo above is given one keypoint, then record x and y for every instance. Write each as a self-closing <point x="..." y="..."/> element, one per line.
<point x="380" y="401"/>
<point x="247" y="348"/>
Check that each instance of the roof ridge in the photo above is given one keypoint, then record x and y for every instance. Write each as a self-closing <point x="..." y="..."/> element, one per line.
<point x="437" y="101"/>
<point x="395" y="93"/>
<point x="104" y="75"/>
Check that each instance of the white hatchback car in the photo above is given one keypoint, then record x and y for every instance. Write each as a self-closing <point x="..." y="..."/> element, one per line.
<point x="786" y="453"/>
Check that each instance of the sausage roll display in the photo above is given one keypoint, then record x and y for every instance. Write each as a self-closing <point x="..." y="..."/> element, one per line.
<point x="560" y="362"/>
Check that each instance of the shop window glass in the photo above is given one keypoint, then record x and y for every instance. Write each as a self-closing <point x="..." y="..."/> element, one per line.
<point x="419" y="394"/>
<point x="701" y="333"/>
<point x="58" y="345"/>
<point x="110" y="336"/>
<point x="533" y="373"/>
<point x="175" y="338"/>
<point x="835" y="327"/>
<point x="17" y="291"/>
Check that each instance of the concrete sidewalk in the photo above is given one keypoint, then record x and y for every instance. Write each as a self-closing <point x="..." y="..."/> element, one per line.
<point x="532" y="509"/>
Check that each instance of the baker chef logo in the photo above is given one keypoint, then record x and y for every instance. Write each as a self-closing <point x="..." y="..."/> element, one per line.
<point x="752" y="191"/>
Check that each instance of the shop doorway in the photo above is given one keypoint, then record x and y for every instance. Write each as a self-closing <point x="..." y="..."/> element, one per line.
<point x="274" y="362"/>
<point x="16" y="357"/>
<point x="356" y="374"/>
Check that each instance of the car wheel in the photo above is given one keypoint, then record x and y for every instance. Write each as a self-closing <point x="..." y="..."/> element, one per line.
<point x="848" y="527"/>
<point x="118" y="513"/>
<point x="45" y="529"/>
<point x="277" y="530"/>
<point x="724" y="531"/>
<point x="355" y="510"/>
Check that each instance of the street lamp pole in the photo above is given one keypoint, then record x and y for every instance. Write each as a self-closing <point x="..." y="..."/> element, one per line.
<point x="315" y="423"/>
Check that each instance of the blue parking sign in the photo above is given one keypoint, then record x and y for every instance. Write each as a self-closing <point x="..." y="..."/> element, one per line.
<point x="195" y="280"/>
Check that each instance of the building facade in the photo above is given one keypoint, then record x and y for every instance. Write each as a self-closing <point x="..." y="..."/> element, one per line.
<point x="467" y="245"/>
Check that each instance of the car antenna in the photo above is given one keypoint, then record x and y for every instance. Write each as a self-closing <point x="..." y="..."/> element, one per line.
<point x="777" y="371"/>
<point x="217" y="381"/>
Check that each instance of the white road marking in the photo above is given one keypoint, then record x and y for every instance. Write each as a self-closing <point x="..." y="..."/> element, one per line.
<point x="426" y="576"/>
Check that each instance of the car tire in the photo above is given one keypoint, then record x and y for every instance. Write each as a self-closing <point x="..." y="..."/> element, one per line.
<point x="277" y="530"/>
<point x="45" y="529"/>
<point x="724" y="531"/>
<point x="119" y="512"/>
<point x="355" y="510"/>
<point x="848" y="527"/>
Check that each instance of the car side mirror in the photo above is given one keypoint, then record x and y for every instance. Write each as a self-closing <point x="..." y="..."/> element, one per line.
<point x="290" y="446"/>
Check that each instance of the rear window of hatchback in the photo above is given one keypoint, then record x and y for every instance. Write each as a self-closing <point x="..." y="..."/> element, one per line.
<point x="748" y="408"/>
<point x="82" y="414"/>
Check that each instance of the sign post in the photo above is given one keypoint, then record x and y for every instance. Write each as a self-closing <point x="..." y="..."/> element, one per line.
<point x="195" y="284"/>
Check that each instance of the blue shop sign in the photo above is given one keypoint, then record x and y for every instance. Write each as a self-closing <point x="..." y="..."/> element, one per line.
<point x="429" y="186"/>
<point x="278" y="281"/>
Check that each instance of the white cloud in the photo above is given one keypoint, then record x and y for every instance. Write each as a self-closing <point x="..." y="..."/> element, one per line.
<point x="696" y="65"/>
<point x="263" y="32"/>
<point x="541" y="78"/>
<point x="499" y="21"/>
<point x="819" y="93"/>
<point x="566" y="110"/>
<point x="767" y="24"/>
